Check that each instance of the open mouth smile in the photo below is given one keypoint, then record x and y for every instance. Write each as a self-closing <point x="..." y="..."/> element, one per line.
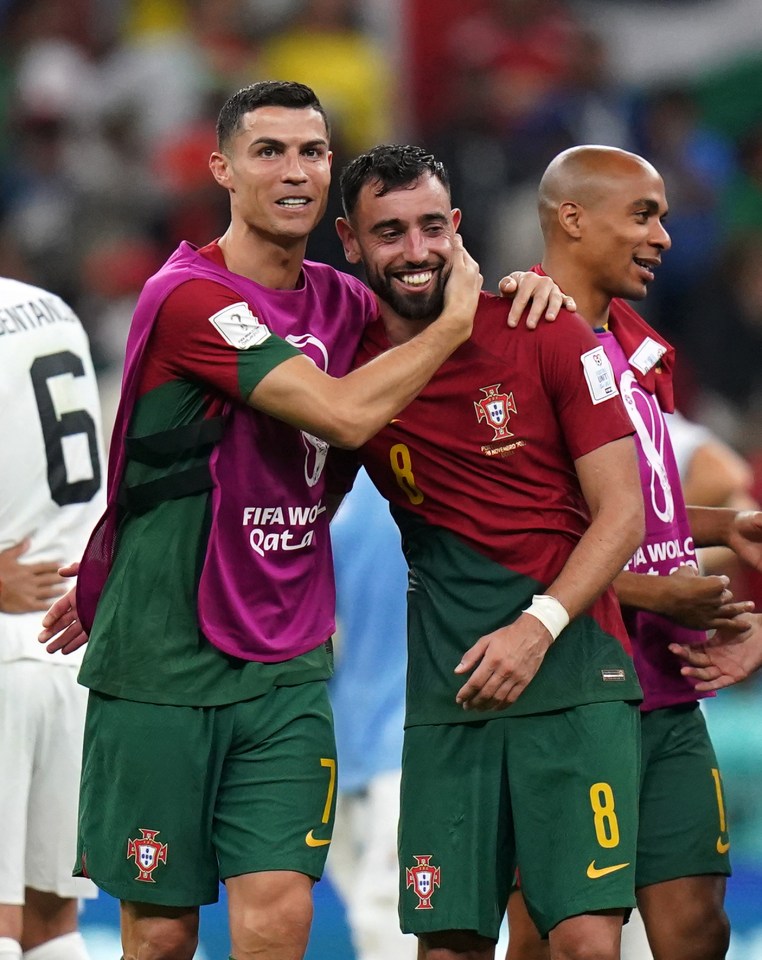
<point x="647" y="266"/>
<point x="415" y="279"/>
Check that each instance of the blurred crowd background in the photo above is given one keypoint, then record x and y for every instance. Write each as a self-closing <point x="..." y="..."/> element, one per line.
<point x="107" y="115"/>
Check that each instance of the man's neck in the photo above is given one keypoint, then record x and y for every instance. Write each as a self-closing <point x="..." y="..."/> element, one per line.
<point x="592" y="304"/>
<point x="273" y="264"/>
<point x="398" y="329"/>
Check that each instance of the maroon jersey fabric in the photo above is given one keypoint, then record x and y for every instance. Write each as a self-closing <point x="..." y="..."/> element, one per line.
<point x="487" y="449"/>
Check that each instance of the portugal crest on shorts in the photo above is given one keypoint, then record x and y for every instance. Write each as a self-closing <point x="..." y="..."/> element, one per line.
<point x="423" y="878"/>
<point x="148" y="853"/>
<point x="496" y="408"/>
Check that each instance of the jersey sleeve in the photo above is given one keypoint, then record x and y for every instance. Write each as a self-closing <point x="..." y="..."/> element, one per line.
<point x="205" y="333"/>
<point x="580" y="378"/>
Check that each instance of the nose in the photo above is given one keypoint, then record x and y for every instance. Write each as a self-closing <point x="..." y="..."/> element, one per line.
<point x="660" y="237"/>
<point x="293" y="171"/>
<point x="416" y="250"/>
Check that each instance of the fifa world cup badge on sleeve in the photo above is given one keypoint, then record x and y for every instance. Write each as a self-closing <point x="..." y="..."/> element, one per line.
<point x="423" y="878"/>
<point x="148" y="853"/>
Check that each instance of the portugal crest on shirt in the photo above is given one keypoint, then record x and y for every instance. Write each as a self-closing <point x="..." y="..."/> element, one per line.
<point x="496" y="408"/>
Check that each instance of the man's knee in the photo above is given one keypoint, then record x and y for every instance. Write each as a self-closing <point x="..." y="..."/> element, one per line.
<point x="150" y="933"/>
<point x="685" y="918"/>
<point x="691" y="935"/>
<point x="271" y="919"/>
<point x="455" y="945"/>
<point x="587" y="937"/>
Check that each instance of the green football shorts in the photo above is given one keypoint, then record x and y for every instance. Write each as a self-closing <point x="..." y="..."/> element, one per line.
<point x="683" y="828"/>
<point x="555" y="794"/>
<point x="173" y="799"/>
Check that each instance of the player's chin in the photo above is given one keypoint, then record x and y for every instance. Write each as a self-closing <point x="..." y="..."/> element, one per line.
<point x="633" y="290"/>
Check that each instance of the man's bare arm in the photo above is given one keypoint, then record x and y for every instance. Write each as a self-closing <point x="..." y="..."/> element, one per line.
<point x="504" y="662"/>
<point x="685" y="597"/>
<point x="348" y="411"/>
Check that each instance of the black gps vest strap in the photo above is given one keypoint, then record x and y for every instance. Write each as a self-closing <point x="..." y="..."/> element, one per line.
<point x="162" y="450"/>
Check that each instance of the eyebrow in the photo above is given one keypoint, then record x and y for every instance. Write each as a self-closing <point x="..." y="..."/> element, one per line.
<point x="651" y="205"/>
<point x="426" y="219"/>
<point x="272" y="142"/>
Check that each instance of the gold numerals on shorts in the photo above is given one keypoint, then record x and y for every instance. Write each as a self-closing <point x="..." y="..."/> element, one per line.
<point x="604" y="818"/>
<point x="311" y="840"/>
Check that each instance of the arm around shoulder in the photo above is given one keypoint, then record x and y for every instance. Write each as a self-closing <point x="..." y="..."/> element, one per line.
<point x="348" y="411"/>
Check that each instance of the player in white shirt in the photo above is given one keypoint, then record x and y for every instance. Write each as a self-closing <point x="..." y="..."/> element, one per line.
<point x="52" y="492"/>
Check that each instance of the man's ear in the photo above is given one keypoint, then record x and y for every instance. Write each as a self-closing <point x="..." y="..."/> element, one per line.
<point x="569" y="216"/>
<point x="457" y="216"/>
<point x="348" y="240"/>
<point x="218" y="164"/>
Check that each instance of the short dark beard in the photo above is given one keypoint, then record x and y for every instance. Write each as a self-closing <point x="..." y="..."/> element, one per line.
<point x="413" y="307"/>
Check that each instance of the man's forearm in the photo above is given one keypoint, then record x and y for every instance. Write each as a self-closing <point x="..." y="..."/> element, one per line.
<point x="636" y="590"/>
<point x="711" y="526"/>
<point x="611" y="485"/>
<point x="597" y="559"/>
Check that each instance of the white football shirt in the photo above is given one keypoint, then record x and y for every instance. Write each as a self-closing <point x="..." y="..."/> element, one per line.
<point x="52" y="471"/>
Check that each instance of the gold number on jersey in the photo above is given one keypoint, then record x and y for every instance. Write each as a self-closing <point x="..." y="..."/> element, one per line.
<point x="720" y="801"/>
<point x="604" y="819"/>
<point x="399" y="457"/>
<point x="331" y="764"/>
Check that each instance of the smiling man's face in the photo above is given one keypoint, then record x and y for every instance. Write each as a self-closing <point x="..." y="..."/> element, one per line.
<point x="404" y="239"/>
<point x="622" y="231"/>
<point x="277" y="168"/>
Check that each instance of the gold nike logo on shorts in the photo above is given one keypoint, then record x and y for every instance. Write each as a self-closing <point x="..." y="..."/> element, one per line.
<point x="722" y="847"/>
<point x="314" y="842"/>
<point x="594" y="872"/>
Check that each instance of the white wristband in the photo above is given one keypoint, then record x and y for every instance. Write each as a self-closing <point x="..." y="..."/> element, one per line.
<point x="550" y="612"/>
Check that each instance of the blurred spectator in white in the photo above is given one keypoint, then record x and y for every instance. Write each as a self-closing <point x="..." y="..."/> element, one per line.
<point x="712" y="473"/>
<point x="154" y="51"/>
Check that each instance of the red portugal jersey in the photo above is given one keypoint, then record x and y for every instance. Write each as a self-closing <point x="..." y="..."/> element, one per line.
<point x="480" y="471"/>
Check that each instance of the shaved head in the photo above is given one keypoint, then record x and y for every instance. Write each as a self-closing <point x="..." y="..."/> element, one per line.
<point x="602" y="213"/>
<point x="584" y="175"/>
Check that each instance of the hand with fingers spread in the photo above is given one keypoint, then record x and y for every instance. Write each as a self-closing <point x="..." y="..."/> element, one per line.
<point x="26" y="587"/>
<point x="699" y="602"/>
<point x="723" y="660"/>
<point x="541" y="294"/>
<point x="503" y="664"/>
<point x="62" y="629"/>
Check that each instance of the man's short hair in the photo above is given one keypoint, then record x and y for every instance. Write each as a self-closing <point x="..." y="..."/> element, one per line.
<point x="266" y="93"/>
<point x="389" y="167"/>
